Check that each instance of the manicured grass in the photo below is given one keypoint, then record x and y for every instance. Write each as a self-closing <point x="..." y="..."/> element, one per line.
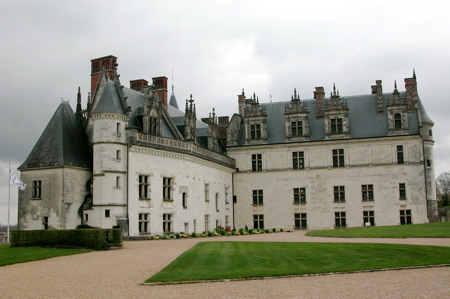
<point x="14" y="255"/>
<point x="428" y="230"/>
<point x="228" y="260"/>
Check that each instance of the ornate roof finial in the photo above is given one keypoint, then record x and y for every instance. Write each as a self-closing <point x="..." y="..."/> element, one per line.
<point x="395" y="87"/>
<point x="414" y="73"/>
<point x="334" y="88"/>
<point x="243" y="93"/>
<point x="172" y="80"/>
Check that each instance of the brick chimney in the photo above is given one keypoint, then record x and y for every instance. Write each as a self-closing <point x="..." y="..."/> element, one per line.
<point x="319" y="96"/>
<point x="160" y="84"/>
<point x="411" y="91"/>
<point x="109" y="63"/>
<point x="138" y="84"/>
<point x="378" y="90"/>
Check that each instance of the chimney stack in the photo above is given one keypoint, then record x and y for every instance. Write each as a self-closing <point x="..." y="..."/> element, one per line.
<point x="378" y="90"/>
<point x="160" y="84"/>
<point x="241" y="103"/>
<point x="109" y="63"/>
<point x="411" y="91"/>
<point x="319" y="96"/>
<point x="138" y="84"/>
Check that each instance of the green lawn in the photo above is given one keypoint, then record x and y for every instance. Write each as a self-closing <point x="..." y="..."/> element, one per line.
<point x="228" y="260"/>
<point x="428" y="230"/>
<point x="14" y="255"/>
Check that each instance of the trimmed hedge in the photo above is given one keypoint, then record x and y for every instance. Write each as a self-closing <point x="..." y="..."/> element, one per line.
<point x="95" y="239"/>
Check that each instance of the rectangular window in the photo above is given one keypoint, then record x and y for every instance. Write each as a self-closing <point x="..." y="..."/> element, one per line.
<point x="298" y="160"/>
<point x="167" y="188"/>
<point x="107" y="213"/>
<point x="217" y="202"/>
<point x="118" y="128"/>
<point x="405" y="217"/>
<point x="255" y="131"/>
<point x="402" y="190"/>
<point x="206" y="192"/>
<point x="117" y="181"/>
<point x="45" y="222"/>
<point x="369" y="218"/>
<point x="339" y="193"/>
<point x="226" y="194"/>
<point x="336" y="126"/>
<point x="258" y="221"/>
<point x="207" y="223"/>
<point x="256" y="162"/>
<point x="339" y="220"/>
<point x="299" y="195"/>
<point x="367" y="192"/>
<point x="398" y="121"/>
<point x="184" y="199"/>
<point x="143" y="223"/>
<point x="300" y="221"/>
<point x="400" y="156"/>
<point x="143" y="186"/>
<point x="36" y="192"/>
<point x="338" y="158"/>
<point x="118" y="156"/>
<point x="297" y="128"/>
<point x="258" y="197"/>
<point x="167" y="223"/>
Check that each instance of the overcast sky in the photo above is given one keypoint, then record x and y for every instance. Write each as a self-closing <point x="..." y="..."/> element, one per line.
<point x="215" y="49"/>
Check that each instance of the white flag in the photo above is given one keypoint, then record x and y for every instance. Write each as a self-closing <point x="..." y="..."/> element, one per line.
<point x="14" y="180"/>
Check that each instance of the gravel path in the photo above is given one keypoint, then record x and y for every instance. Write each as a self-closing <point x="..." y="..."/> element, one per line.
<point x="117" y="274"/>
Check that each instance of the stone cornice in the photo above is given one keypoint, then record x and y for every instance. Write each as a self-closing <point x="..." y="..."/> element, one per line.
<point x="333" y="142"/>
<point x="109" y="116"/>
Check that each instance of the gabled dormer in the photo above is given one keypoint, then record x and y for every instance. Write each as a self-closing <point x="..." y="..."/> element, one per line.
<point x="190" y="120"/>
<point x="152" y="114"/>
<point x="336" y="117"/>
<point x="296" y="115"/>
<point x="397" y="109"/>
<point x="255" y="120"/>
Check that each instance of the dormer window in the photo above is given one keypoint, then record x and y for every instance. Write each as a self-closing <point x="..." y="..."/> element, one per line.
<point x="397" y="109"/>
<point x="336" y="126"/>
<point x="154" y="124"/>
<point x="336" y="117"/>
<point x="297" y="128"/>
<point x="296" y="114"/>
<point x="255" y="131"/>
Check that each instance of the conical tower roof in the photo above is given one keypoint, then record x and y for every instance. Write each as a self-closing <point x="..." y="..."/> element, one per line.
<point x="63" y="143"/>
<point x="110" y="101"/>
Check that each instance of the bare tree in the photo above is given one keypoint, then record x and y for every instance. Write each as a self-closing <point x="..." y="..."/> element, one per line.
<point x="443" y="183"/>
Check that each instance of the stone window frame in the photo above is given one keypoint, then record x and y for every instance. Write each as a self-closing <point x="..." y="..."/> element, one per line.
<point x="400" y="155"/>
<point x="367" y="192"/>
<point x="340" y="219"/>
<point x="168" y="188"/>
<point x="143" y="223"/>
<point x="339" y="194"/>
<point x="167" y="222"/>
<point x="258" y="221"/>
<point x="338" y="156"/>
<point x="36" y="192"/>
<point x="256" y="162"/>
<point x="144" y="186"/>
<point x="258" y="197"/>
<point x="299" y="195"/>
<point x="298" y="160"/>
<point x="405" y="217"/>
<point x="402" y="191"/>
<point x="300" y="221"/>
<point x="369" y="217"/>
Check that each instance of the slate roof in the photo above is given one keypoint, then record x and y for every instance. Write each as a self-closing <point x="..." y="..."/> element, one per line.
<point x="63" y="143"/>
<point x="110" y="101"/>
<point x="365" y="122"/>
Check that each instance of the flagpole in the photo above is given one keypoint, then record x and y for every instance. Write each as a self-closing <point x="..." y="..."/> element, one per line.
<point x="9" y="200"/>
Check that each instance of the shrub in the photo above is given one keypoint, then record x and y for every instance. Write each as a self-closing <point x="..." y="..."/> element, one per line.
<point x="95" y="239"/>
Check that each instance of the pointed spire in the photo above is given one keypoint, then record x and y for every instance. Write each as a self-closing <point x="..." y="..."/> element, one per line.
<point x="414" y="73"/>
<point x="334" y="88"/>
<point x="243" y="93"/>
<point x="395" y="87"/>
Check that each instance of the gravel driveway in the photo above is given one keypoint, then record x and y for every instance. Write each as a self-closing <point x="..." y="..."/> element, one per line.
<point x="117" y="274"/>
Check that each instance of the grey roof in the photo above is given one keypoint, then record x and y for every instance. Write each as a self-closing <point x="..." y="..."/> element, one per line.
<point x="173" y="100"/>
<point x="110" y="100"/>
<point x="63" y="143"/>
<point x="423" y="114"/>
<point x="365" y="122"/>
